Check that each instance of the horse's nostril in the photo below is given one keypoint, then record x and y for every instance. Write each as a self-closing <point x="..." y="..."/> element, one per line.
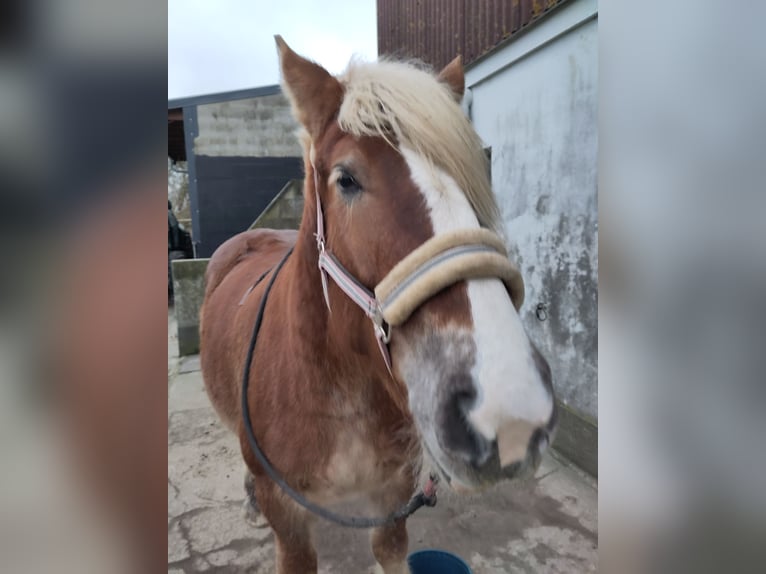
<point x="464" y="401"/>
<point x="484" y="451"/>
<point x="543" y="444"/>
<point x="458" y="435"/>
<point x="539" y="442"/>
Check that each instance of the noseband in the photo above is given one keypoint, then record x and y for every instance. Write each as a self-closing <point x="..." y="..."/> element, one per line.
<point x="441" y="261"/>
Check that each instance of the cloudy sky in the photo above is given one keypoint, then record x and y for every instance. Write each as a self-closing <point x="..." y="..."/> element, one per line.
<point x="221" y="45"/>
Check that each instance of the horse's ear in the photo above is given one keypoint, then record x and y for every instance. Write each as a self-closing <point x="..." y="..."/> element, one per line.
<point x="315" y="95"/>
<point x="453" y="76"/>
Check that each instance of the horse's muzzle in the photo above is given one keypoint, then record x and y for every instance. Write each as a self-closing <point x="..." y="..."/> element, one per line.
<point x="515" y="453"/>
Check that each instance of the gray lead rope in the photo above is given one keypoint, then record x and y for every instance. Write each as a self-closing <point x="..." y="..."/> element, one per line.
<point x="426" y="497"/>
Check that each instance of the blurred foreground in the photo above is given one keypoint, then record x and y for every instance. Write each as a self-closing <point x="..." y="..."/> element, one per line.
<point x="82" y="310"/>
<point x="682" y="315"/>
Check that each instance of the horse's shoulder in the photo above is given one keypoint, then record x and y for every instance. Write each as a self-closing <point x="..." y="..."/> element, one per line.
<point x="265" y="244"/>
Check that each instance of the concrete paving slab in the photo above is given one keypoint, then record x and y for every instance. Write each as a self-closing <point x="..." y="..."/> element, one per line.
<point x="189" y="364"/>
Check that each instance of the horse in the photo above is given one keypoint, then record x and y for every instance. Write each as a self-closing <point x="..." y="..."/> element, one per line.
<point x="391" y="333"/>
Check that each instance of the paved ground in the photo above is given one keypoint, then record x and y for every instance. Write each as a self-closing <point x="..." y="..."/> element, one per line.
<point x="545" y="525"/>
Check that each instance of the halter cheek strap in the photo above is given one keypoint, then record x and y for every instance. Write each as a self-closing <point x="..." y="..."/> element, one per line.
<point x="358" y="293"/>
<point x="438" y="263"/>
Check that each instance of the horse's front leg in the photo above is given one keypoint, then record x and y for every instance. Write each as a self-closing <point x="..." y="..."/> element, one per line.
<point x="250" y="507"/>
<point x="389" y="546"/>
<point x="389" y="543"/>
<point x="292" y="528"/>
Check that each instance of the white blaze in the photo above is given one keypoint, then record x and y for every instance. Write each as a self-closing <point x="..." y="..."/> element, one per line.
<point x="508" y="383"/>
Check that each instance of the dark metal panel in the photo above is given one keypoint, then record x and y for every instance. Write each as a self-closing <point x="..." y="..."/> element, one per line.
<point x="470" y="30"/>
<point x="526" y="12"/>
<point x="515" y="15"/>
<point x="494" y="23"/>
<point x="191" y="129"/>
<point x="233" y="191"/>
<point x="437" y="30"/>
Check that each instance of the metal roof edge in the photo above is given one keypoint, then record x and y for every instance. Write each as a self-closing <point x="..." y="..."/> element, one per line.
<point x="224" y="96"/>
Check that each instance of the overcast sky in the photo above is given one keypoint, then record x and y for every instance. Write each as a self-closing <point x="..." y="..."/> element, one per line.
<point x="221" y="45"/>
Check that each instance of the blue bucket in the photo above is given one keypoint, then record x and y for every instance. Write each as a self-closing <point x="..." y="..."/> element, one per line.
<point x="437" y="562"/>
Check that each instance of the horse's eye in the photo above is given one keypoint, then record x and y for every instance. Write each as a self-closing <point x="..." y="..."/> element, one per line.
<point x="347" y="184"/>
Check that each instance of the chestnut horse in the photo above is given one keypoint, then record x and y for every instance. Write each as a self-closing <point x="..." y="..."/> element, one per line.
<point x="391" y="164"/>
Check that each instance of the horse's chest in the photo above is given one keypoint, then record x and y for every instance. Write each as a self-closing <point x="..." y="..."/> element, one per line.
<point x="356" y="466"/>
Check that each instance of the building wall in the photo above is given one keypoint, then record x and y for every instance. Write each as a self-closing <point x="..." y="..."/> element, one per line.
<point x="255" y="127"/>
<point x="286" y="209"/>
<point x="534" y="102"/>
<point x="245" y="151"/>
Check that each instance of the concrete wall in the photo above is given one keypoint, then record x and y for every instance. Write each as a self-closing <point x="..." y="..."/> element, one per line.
<point x="245" y="151"/>
<point x="189" y="293"/>
<point x="285" y="211"/>
<point x="534" y="102"/>
<point x="255" y="127"/>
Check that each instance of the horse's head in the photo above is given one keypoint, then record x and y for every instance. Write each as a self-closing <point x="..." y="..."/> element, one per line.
<point x="396" y="163"/>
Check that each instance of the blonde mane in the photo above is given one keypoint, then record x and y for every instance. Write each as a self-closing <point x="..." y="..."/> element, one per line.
<point x="407" y="106"/>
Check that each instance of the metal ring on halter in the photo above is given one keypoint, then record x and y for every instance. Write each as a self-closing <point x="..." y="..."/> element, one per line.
<point x="320" y="243"/>
<point x="382" y="332"/>
<point x="382" y="328"/>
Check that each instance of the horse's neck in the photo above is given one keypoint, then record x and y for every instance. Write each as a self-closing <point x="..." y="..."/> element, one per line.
<point x="339" y="342"/>
<point x="341" y="335"/>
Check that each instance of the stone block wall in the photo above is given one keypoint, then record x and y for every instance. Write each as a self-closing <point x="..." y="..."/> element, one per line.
<point x="189" y="292"/>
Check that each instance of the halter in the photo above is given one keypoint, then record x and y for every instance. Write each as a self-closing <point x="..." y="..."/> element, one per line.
<point x="438" y="263"/>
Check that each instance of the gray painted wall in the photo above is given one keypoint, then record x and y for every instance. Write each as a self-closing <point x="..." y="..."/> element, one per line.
<point x="254" y="127"/>
<point x="534" y="102"/>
